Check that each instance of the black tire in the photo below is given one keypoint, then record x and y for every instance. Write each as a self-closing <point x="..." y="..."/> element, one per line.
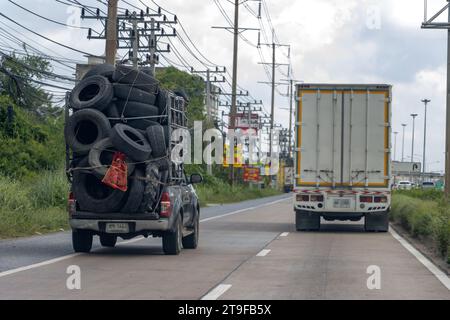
<point x="136" y="78"/>
<point x="85" y="128"/>
<point x="105" y="70"/>
<point x="101" y="157"/>
<point x="131" y="142"/>
<point x="147" y="70"/>
<point x="112" y="112"/>
<point x="132" y="109"/>
<point x="108" y="240"/>
<point x="307" y="221"/>
<point x="191" y="241"/>
<point x="377" y="221"/>
<point x="94" y="92"/>
<point x="82" y="241"/>
<point x="128" y="93"/>
<point x="182" y="93"/>
<point x="136" y="191"/>
<point x="153" y="189"/>
<point x="161" y="101"/>
<point x="141" y="124"/>
<point x="157" y="139"/>
<point x="92" y="195"/>
<point x="172" y="240"/>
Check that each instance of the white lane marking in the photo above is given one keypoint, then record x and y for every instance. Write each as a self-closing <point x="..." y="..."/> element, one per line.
<point x="284" y="234"/>
<point x="263" y="253"/>
<point x="442" y="277"/>
<point x="70" y="256"/>
<point x="243" y="210"/>
<point x="217" y="292"/>
<point x="38" y="265"/>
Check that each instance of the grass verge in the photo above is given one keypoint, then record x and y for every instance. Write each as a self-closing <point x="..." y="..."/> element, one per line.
<point x="425" y="215"/>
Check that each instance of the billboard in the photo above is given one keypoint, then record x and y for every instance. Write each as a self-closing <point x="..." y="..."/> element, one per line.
<point x="406" y="167"/>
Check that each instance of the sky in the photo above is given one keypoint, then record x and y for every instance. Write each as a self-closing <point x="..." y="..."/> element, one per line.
<point x="332" y="41"/>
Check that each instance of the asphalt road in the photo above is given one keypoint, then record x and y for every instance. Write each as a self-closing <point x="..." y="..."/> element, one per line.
<point x="247" y="251"/>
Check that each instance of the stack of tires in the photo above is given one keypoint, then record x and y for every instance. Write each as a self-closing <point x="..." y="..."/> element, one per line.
<point x="117" y="109"/>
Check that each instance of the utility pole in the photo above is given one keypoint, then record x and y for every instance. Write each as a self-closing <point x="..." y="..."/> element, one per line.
<point x="111" y="32"/>
<point x="432" y="24"/>
<point x="403" y="142"/>
<point x="413" y="115"/>
<point x="236" y="30"/>
<point x="425" y="101"/>
<point x="135" y="41"/>
<point x="395" y="145"/>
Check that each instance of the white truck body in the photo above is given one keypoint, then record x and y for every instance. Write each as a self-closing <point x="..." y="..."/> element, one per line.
<point x="343" y="163"/>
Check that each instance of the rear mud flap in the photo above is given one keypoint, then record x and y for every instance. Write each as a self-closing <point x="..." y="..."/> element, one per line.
<point x="377" y="221"/>
<point x="307" y="221"/>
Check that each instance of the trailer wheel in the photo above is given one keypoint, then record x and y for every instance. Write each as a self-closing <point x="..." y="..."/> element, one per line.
<point x="307" y="221"/>
<point x="108" y="240"/>
<point x="172" y="240"/>
<point x="377" y="221"/>
<point x="82" y="241"/>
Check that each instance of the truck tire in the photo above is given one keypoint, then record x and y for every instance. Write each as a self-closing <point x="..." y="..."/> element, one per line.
<point x="142" y="124"/>
<point x="153" y="188"/>
<point x="131" y="142"/>
<point x="106" y="70"/>
<point x="307" y="221"/>
<point x="161" y="101"/>
<point x="92" y="195"/>
<point x="84" y="129"/>
<point x="157" y="139"/>
<point x="172" y="240"/>
<point x="112" y="112"/>
<point x="108" y="240"/>
<point x="95" y="92"/>
<point x="136" y="191"/>
<point x="82" y="241"/>
<point x="133" y="109"/>
<point x="101" y="156"/>
<point x="136" y="78"/>
<point x="191" y="241"/>
<point x="129" y="93"/>
<point x="377" y="221"/>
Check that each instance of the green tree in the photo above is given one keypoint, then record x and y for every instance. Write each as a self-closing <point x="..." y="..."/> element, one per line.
<point x="18" y="76"/>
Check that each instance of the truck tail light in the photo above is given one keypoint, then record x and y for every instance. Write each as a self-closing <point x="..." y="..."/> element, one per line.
<point x="317" y="198"/>
<point x="366" y="199"/>
<point x="71" y="204"/>
<point x="302" y="198"/>
<point x="380" y="199"/>
<point x="166" y="206"/>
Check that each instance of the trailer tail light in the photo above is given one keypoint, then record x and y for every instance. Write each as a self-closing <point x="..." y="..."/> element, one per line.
<point x="366" y="199"/>
<point x="380" y="199"/>
<point x="302" y="198"/>
<point x="317" y="198"/>
<point x="166" y="206"/>
<point x="71" y="204"/>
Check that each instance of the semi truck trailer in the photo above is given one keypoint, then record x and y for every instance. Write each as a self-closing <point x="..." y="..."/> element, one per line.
<point x="343" y="155"/>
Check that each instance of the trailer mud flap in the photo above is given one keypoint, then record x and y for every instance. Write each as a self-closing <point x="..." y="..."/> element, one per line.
<point x="377" y="221"/>
<point x="307" y="221"/>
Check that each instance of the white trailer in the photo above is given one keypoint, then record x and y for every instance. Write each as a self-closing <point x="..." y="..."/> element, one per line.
<point x="343" y="148"/>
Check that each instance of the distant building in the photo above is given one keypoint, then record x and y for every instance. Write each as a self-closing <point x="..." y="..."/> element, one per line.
<point x="412" y="171"/>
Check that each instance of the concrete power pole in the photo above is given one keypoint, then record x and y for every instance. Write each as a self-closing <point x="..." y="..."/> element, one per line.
<point x="111" y="33"/>
<point x="413" y="115"/>
<point x="395" y="145"/>
<point x="432" y="24"/>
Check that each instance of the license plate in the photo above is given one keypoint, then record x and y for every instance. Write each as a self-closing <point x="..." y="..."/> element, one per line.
<point x="117" y="228"/>
<point x="341" y="203"/>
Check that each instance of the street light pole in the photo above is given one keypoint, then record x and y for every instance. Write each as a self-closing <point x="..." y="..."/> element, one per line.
<point x="425" y="101"/>
<point x="395" y="145"/>
<point x="403" y="142"/>
<point x="413" y="115"/>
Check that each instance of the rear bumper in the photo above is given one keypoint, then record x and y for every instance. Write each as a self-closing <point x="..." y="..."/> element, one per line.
<point x="138" y="225"/>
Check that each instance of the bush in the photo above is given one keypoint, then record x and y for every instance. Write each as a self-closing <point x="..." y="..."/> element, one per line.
<point x="424" y="215"/>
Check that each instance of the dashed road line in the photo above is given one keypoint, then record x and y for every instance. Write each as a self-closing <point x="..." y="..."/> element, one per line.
<point x="263" y="253"/>
<point x="284" y="234"/>
<point x="218" y="291"/>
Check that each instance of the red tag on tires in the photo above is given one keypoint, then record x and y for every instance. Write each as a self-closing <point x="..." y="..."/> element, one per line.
<point x="117" y="175"/>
